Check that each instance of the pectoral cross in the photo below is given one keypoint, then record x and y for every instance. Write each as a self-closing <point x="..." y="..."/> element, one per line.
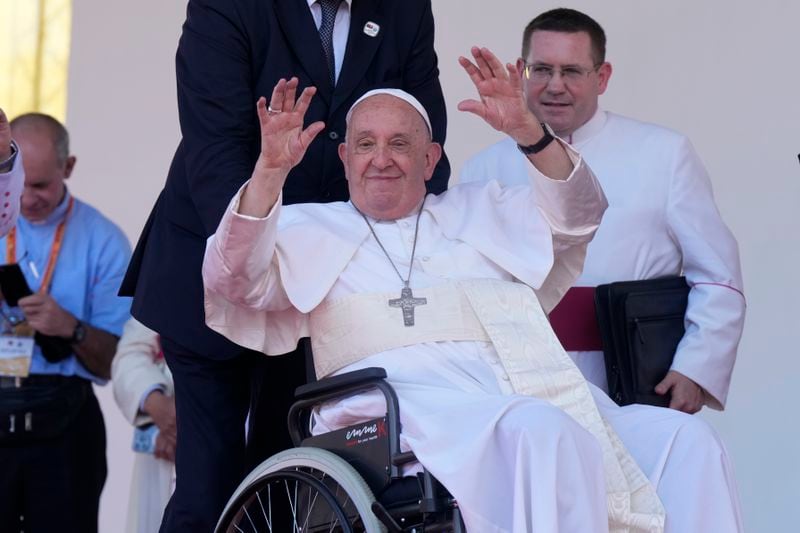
<point x="407" y="303"/>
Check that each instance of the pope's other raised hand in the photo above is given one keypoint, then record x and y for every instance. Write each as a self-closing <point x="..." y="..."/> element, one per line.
<point x="502" y="104"/>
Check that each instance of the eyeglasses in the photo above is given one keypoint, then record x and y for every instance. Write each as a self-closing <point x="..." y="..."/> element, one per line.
<point x="542" y="74"/>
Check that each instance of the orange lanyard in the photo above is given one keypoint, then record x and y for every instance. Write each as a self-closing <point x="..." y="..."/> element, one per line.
<point x="11" y="249"/>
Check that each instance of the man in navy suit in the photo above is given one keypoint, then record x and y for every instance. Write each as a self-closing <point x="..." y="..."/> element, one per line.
<point x="230" y="53"/>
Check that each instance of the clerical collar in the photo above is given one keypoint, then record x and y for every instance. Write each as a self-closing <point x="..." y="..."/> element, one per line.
<point x="58" y="213"/>
<point x="412" y="214"/>
<point x="588" y="130"/>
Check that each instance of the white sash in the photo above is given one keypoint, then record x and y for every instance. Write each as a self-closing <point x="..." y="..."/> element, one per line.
<point x="538" y="366"/>
<point x="349" y="329"/>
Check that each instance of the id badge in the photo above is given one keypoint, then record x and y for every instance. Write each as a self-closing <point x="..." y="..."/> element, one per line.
<point x="16" y="352"/>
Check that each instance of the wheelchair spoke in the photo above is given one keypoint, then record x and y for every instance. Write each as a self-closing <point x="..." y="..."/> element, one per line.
<point x="334" y="519"/>
<point x="263" y="513"/>
<point x="292" y="504"/>
<point x="346" y="497"/>
<point x="252" y="524"/>
<point x="269" y="495"/>
<point x="309" y="508"/>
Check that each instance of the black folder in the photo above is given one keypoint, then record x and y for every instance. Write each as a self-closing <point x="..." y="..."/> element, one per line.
<point x="641" y="324"/>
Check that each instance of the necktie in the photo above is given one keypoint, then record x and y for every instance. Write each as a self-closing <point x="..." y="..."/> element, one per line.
<point x="329" y="9"/>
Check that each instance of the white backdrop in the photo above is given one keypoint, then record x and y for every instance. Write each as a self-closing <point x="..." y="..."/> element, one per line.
<point x="722" y="72"/>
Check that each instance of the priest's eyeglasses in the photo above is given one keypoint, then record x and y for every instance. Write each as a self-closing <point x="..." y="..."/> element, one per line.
<point x="540" y="74"/>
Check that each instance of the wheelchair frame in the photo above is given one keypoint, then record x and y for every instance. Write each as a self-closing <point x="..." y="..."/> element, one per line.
<point x="365" y="459"/>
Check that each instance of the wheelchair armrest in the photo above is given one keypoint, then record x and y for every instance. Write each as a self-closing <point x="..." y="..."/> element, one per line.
<point x="312" y="394"/>
<point x="335" y="383"/>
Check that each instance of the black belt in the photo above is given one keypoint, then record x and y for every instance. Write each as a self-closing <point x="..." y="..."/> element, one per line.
<point x="35" y="380"/>
<point x="40" y="406"/>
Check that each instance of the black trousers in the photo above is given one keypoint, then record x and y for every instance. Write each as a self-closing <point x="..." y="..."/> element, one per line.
<point x="212" y="401"/>
<point x="55" y="485"/>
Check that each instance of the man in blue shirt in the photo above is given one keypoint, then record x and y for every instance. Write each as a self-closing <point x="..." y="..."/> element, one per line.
<point x="52" y="435"/>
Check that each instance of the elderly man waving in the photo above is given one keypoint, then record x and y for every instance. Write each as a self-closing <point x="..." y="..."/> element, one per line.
<point x="449" y="295"/>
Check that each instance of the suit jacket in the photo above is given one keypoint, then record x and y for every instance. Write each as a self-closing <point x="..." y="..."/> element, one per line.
<point x="230" y="53"/>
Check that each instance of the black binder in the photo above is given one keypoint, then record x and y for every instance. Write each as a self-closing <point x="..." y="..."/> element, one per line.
<point x="641" y="324"/>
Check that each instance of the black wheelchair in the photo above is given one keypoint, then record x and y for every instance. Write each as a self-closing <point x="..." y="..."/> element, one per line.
<point x="345" y="481"/>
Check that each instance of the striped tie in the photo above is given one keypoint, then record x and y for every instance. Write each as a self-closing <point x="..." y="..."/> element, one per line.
<point x="329" y="9"/>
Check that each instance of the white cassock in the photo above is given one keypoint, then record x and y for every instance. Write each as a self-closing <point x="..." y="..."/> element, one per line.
<point x="514" y="462"/>
<point x="661" y="221"/>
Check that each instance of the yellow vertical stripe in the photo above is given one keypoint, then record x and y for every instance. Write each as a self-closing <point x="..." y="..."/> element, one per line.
<point x="34" y="56"/>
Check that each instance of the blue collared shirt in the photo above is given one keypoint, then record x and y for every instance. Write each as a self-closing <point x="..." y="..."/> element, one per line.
<point x="93" y="259"/>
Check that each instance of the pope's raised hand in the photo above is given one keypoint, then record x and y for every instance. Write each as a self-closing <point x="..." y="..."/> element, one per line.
<point x="502" y="104"/>
<point x="283" y="140"/>
<point x="5" y="137"/>
<point x="283" y="144"/>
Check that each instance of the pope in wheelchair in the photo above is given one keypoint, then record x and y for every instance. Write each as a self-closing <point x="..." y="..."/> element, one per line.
<point x="439" y="305"/>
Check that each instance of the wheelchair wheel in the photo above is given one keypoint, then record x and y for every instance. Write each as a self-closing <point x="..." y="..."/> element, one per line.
<point x="302" y="490"/>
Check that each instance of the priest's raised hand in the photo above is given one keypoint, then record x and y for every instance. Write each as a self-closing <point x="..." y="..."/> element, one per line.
<point x="283" y="144"/>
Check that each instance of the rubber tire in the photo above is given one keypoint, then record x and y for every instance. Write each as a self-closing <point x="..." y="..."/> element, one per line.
<point x="324" y="461"/>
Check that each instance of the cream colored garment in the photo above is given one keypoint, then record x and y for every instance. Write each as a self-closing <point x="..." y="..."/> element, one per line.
<point x="136" y="368"/>
<point x="538" y="366"/>
<point x="339" y="338"/>
<point x="509" y="315"/>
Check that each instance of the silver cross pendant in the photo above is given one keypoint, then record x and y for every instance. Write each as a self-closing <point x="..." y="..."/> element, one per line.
<point x="407" y="303"/>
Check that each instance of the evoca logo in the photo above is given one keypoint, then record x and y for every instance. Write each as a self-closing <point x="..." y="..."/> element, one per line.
<point x="360" y="432"/>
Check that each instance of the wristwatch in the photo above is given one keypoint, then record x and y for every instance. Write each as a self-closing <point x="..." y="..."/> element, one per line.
<point x="78" y="334"/>
<point x="541" y="144"/>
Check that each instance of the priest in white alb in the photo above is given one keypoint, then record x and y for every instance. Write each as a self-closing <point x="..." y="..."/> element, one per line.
<point x="449" y="294"/>
<point x="662" y="219"/>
